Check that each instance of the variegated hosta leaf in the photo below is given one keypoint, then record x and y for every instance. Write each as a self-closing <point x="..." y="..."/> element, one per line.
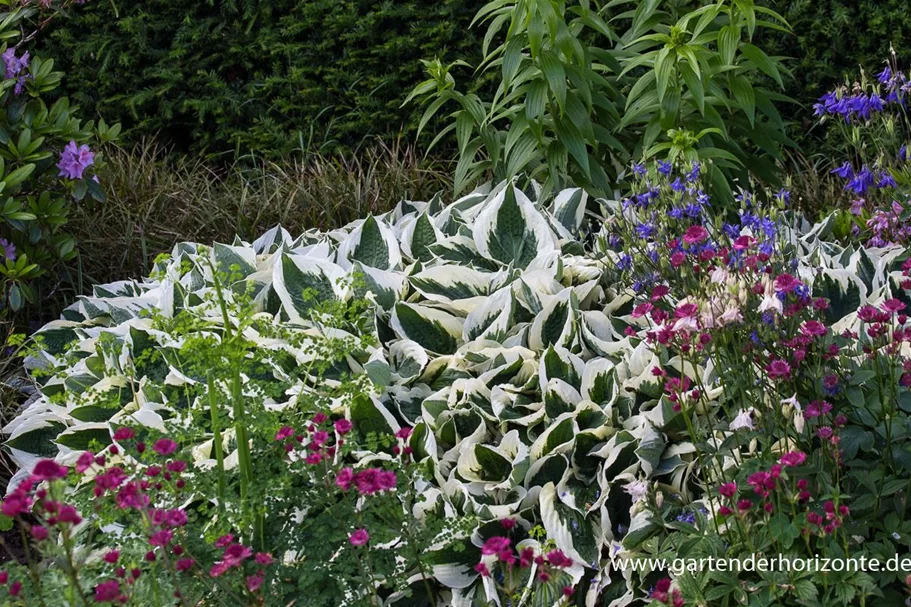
<point x="510" y="230"/>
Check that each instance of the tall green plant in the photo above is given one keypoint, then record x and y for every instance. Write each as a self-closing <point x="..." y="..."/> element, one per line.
<point x="576" y="100"/>
<point x="701" y="88"/>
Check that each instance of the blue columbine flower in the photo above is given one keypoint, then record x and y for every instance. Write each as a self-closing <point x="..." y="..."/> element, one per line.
<point x="639" y="169"/>
<point x="665" y="168"/>
<point x="646" y="230"/>
<point x="677" y="185"/>
<point x="675" y="213"/>
<point x="885" y="75"/>
<point x="861" y="182"/>
<point x="885" y="180"/>
<point x="903" y="153"/>
<point x="625" y="262"/>
<point x="845" y="171"/>
<point x="694" y="173"/>
<point x="784" y="196"/>
<point x="731" y="230"/>
<point x="687" y="517"/>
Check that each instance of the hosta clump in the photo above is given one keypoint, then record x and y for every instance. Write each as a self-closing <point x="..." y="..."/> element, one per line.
<point x="791" y="389"/>
<point x="498" y="346"/>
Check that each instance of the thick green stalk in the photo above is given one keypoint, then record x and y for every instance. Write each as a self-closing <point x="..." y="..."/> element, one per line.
<point x="216" y="443"/>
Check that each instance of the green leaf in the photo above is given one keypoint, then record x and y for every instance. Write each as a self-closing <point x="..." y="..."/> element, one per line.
<point x="759" y="58"/>
<point x="556" y="76"/>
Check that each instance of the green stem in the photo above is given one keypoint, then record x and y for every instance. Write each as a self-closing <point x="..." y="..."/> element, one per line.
<point x="217" y="444"/>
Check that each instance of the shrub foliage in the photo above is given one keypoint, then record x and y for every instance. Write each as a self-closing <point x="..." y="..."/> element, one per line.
<point x="267" y="77"/>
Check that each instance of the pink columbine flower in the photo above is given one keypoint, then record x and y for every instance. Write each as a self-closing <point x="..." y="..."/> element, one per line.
<point x="359" y="537"/>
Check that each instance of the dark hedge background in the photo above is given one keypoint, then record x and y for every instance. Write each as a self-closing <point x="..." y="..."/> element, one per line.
<point x="275" y="76"/>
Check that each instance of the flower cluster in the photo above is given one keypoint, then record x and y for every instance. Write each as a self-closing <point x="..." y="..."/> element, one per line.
<point x="499" y="550"/>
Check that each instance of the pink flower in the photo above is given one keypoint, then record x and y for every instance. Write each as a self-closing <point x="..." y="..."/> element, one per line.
<point x="4" y="577"/>
<point x="164" y="446"/>
<point x="320" y="418"/>
<point x="284" y="433"/>
<point x="161" y="538"/>
<point x="743" y="243"/>
<point x="185" y="564"/>
<point x="124" y="433"/>
<point x="39" y="533"/>
<point x="817" y="408"/>
<point x="235" y="554"/>
<point x="481" y="568"/>
<point x="893" y="305"/>
<point x="68" y="514"/>
<point x="85" y="462"/>
<point x="319" y="438"/>
<point x="107" y="592"/>
<point x="359" y="537"/>
<point x="785" y="283"/>
<point x="508" y="523"/>
<point x="793" y="459"/>
<point x="744" y="505"/>
<point x="111" y="556"/>
<point x="779" y="369"/>
<point x="342" y="427"/>
<point x="16" y="504"/>
<point x="813" y="328"/>
<point x="254" y="582"/>
<point x="728" y="489"/>
<point x="263" y="558"/>
<point x="557" y="559"/>
<point x="15" y="588"/>
<point x="344" y="477"/>
<point x="496" y="545"/>
<point x="695" y="235"/>
<point x="403" y="433"/>
<point x="177" y="466"/>
<point x="224" y="541"/>
<point x="219" y="568"/>
<point x="48" y="470"/>
<point x="677" y="259"/>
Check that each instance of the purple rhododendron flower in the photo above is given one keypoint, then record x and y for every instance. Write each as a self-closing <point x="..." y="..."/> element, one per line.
<point x="75" y="160"/>
<point x="8" y="249"/>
